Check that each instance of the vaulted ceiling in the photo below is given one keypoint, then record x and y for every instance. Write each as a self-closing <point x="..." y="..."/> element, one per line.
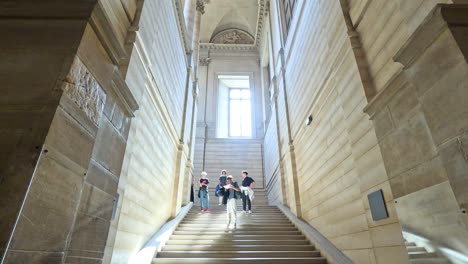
<point x="230" y="21"/>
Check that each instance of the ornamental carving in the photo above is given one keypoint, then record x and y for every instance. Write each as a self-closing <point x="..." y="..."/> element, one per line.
<point x="204" y="61"/>
<point x="201" y="6"/>
<point x="83" y="89"/>
<point x="233" y="36"/>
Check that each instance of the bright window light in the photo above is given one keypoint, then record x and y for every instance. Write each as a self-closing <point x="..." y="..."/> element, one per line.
<point x="240" y="122"/>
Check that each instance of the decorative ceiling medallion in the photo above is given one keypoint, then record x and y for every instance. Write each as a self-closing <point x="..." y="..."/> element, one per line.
<point x="232" y="36"/>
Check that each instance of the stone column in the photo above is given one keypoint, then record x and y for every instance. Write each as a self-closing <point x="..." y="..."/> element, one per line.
<point x="183" y="156"/>
<point x="196" y="35"/>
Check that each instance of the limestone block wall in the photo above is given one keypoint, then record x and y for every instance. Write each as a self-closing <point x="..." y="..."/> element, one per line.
<point x="382" y="34"/>
<point x="31" y="77"/>
<point x="271" y="164"/>
<point x="67" y="210"/>
<point x="328" y="168"/>
<point x="157" y="76"/>
<point x="421" y="126"/>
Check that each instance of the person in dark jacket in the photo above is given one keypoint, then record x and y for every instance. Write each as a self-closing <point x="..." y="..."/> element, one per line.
<point x="247" y="192"/>
<point x="220" y="187"/>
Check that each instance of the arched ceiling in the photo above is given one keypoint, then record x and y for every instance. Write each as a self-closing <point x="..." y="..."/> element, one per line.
<point x="222" y="16"/>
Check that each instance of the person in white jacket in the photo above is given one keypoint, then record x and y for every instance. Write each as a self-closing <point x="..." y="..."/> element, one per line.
<point x="247" y="192"/>
<point x="232" y="192"/>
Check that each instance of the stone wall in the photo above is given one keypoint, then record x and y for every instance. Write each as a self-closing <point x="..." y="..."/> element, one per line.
<point x="421" y="123"/>
<point x="73" y="65"/>
<point x="407" y="70"/>
<point x="327" y="168"/>
<point x="157" y="151"/>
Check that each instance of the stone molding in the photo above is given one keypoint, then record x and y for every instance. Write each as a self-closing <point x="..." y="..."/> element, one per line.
<point x="442" y="17"/>
<point x="380" y="100"/>
<point x="200" y="6"/>
<point x="102" y="26"/>
<point x="204" y="61"/>
<point x="432" y="26"/>
<point x="179" y="10"/>
<point x="120" y="88"/>
<point x="228" y="47"/>
<point x="263" y="9"/>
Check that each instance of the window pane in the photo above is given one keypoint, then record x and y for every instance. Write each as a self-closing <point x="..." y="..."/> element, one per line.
<point x="234" y="118"/>
<point x="235" y="93"/>
<point x="240" y="113"/>
<point x="245" y="94"/>
<point x="246" y="118"/>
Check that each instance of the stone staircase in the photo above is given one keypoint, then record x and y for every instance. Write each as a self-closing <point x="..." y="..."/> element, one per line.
<point x="419" y="255"/>
<point x="265" y="236"/>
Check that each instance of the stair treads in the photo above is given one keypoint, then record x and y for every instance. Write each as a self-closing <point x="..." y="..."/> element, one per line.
<point x="239" y="232"/>
<point x="235" y="236"/>
<point x="220" y="247"/>
<point x="266" y="236"/>
<point x="234" y="254"/>
<point x="236" y="242"/>
<point x="253" y="228"/>
<point x="286" y="260"/>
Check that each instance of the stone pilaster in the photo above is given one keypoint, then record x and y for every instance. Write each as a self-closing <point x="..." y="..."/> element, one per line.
<point x="189" y="17"/>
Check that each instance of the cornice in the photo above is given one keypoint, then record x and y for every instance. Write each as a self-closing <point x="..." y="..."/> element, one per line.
<point x="262" y="11"/>
<point x="123" y="92"/>
<point x="228" y="47"/>
<point x="179" y="10"/>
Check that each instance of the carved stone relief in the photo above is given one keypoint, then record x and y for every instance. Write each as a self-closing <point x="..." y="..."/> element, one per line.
<point x="232" y="36"/>
<point x="205" y="61"/>
<point x="81" y="87"/>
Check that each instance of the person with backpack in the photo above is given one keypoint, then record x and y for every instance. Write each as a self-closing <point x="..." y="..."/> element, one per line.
<point x="203" y="192"/>
<point x="231" y="194"/>
<point x="219" y="192"/>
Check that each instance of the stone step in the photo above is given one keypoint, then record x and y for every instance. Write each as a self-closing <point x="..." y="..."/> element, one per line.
<point x="247" y="219"/>
<point x="230" y="242"/>
<point x="234" y="254"/>
<point x="410" y="244"/>
<point x="311" y="260"/>
<point x="239" y="223"/>
<point x="213" y="213"/>
<point x="429" y="261"/>
<point x="243" y="237"/>
<point x="420" y="255"/>
<point x="244" y="228"/>
<point x="239" y="205"/>
<point x="416" y="249"/>
<point x="237" y="232"/>
<point x="223" y="247"/>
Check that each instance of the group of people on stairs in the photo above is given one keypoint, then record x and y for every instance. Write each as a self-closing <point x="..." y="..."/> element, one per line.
<point x="228" y="191"/>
